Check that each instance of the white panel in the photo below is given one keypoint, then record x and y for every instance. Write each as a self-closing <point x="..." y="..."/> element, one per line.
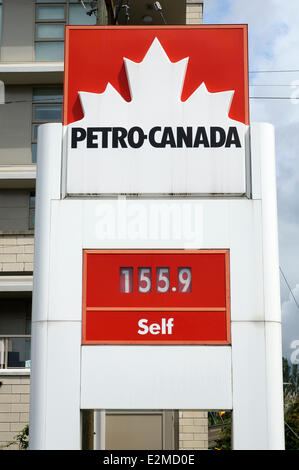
<point x="55" y="386"/>
<point x="156" y="377"/>
<point x="49" y="149"/>
<point x="66" y="261"/>
<point x="275" y="385"/>
<point x="246" y="261"/>
<point x="216" y="224"/>
<point x="269" y="221"/>
<point x="47" y="188"/>
<point x="255" y="147"/>
<point x="142" y="223"/>
<point x="38" y="385"/>
<point x="250" y="428"/>
<point x="63" y="386"/>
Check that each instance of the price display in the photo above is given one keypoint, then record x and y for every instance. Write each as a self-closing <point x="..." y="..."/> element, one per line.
<point x="162" y="280"/>
<point x="156" y="297"/>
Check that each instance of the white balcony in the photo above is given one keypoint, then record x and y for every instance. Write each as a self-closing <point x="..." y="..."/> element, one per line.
<point x="17" y="176"/>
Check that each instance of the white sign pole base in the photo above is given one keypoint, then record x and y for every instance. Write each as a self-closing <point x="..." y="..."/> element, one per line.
<point x="245" y="377"/>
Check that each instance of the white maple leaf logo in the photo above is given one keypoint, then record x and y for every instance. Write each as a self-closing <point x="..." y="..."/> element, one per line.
<point x="156" y="129"/>
<point x="156" y="81"/>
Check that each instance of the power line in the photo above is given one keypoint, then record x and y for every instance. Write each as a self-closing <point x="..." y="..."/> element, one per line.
<point x="292" y="430"/>
<point x="46" y="100"/>
<point x="55" y="101"/>
<point x="273" y="98"/>
<point x="274" y="71"/>
<point x="269" y="84"/>
<point x="289" y="287"/>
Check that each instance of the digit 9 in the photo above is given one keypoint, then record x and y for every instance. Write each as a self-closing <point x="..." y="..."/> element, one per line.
<point x="184" y="280"/>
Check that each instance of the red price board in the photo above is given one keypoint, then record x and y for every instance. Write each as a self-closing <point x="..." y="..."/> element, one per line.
<point x="156" y="297"/>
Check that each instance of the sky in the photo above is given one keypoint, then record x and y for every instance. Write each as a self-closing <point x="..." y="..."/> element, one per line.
<point x="273" y="35"/>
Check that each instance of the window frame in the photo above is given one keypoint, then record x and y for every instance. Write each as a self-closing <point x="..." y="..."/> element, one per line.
<point x="43" y="102"/>
<point x="7" y="336"/>
<point x="66" y="4"/>
<point x="6" y="339"/>
<point x="31" y="212"/>
<point x="49" y="21"/>
<point x="37" y="39"/>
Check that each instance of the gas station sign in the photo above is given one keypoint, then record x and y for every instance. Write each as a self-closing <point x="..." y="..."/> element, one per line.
<point x="159" y="110"/>
<point x="156" y="297"/>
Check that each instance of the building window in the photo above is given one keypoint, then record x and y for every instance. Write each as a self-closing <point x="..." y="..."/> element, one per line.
<point x="15" y="333"/>
<point x="51" y="16"/>
<point x="46" y="107"/>
<point x="31" y="210"/>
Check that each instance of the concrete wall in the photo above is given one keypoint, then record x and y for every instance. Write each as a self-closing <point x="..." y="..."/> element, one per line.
<point x="194" y="12"/>
<point x="16" y="253"/>
<point x="14" y="406"/>
<point x="14" y="210"/>
<point x="17" y="31"/>
<point x="15" y="126"/>
<point x="193" y="430"/>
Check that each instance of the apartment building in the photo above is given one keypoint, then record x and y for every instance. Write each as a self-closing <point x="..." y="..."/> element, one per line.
<point x="31" y="93"/>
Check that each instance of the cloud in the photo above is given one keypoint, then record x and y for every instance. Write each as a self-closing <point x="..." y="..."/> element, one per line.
<point x="274" y="45"/>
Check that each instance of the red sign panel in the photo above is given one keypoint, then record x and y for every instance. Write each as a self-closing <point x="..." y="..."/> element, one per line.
<point x="94" y="57"/>
<point x="156" y="297"/>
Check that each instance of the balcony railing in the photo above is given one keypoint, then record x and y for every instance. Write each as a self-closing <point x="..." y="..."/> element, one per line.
<point x="15" y="351"/>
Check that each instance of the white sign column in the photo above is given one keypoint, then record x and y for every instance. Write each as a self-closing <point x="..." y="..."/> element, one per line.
<point x="56" y="332"/>
<point x="67" y="377"/>
<point x="256" y="340"/>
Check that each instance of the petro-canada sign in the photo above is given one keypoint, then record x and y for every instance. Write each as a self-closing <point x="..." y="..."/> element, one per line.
<point x="156" y="110"/>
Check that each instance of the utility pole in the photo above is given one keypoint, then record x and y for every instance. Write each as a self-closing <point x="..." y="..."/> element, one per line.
<point x="102" y="17"/>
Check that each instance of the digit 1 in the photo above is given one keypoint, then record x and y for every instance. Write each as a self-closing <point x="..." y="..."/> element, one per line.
<point x="126" y="280"/>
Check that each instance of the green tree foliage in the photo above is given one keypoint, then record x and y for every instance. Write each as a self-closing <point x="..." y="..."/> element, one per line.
<point x="292" y="426"/>
<point x="223" y="419"/>
<point x="291" y="412"/>
<point x="291" y="404"/>
<point x="290" y="380"/>
<point x="224" y="438"/>
<point x="21" y="439"/>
